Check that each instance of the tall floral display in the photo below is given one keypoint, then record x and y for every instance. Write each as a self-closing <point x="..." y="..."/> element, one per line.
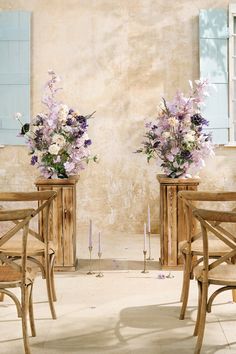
<point x="57" y="138"/>
<point x="177" y="135"/>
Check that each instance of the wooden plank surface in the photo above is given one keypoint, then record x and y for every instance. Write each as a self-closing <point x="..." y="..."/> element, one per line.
<point x="181" y="222"/>
<point x="68" y="229"/>
<point x="172" y="224"/>
<point x="57" y="234"/>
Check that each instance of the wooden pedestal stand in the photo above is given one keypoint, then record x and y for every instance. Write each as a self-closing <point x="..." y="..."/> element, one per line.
<point x="62" y="220"/>
<point x="172" y="218"/>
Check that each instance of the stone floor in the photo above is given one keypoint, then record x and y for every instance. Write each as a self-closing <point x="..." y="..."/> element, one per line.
<point x="124" y="312"/>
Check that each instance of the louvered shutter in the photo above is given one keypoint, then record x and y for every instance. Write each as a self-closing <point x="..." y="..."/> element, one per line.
<point x="214" y="66"/>
<point x="14" y="74"/>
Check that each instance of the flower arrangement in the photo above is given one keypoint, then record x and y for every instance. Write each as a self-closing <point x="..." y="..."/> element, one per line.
<point x="57" y="139"/>
<point x="177" y="137"/>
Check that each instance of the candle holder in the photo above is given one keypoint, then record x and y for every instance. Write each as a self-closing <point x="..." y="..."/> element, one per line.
<point x="150" y="258"/>
<point x="100" y="274"/>
<point x="169" y="276"/>
<point x="144" y="262"/>
<point x="90" y="261"/>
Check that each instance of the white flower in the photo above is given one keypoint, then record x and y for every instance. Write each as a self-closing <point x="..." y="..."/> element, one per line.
<point x="59" y="140"/>
<point x="18" y="116"/>
<point x="166" y="135"/>
<point x="67" y="129"/>
<point x="173" y="121"/>
<point x="54" y="149"/>
<point x="189" y="137"/>
<point x="85" y="136"/>
<point x="63" y="112"/>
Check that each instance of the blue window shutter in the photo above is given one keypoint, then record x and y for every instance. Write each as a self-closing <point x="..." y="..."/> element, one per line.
<point x="14" y="74"/>
<point x="213" y="48"/>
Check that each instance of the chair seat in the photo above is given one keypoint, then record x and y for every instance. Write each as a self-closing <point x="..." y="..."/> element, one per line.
<point x="216" y="247"/>
<point x="224" y="274"/>
<point x="12" y="278"/>
<point x="35" y="247"/>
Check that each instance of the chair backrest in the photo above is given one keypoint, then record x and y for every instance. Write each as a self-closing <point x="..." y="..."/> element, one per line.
<point x="189" y="199"/>
<point x="44" y="199"/>
<point x="209" y="221"/>
<point x="22" y="217"/>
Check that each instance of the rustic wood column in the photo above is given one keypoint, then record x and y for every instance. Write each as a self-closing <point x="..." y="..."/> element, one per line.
<point x="172" y="218"/>
<point x="62" y="220"/>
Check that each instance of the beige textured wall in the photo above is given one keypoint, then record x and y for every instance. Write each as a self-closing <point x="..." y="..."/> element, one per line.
<point x="117" y="57"/>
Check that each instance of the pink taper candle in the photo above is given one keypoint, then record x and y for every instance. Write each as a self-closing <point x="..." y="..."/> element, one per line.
<point x="90" y="234"/>
<point x="149" y="220"/>
<point x="99" y="242"/>
<point x="144" y="237"/>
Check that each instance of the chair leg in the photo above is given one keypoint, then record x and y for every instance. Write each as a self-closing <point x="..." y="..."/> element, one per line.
<point x="31" y="312"/>
<point x="184" y="270"/>
<point x="186" y="284"/>
<point x="49" y="287"/>
<point x="202" y="319"/>
<point x="52" y="261"/>
<point x="234" y="295"/>
<point x="24" y="305"/>
<point x="1" y="297"/>
<point x="195" y="333"/>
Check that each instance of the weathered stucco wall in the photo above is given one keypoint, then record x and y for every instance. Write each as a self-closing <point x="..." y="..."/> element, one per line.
<point x="118" y="57"/>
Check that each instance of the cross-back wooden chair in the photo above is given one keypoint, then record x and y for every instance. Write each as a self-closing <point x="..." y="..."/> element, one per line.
<point x="13" y="275"/>
<point x="41" y="250"/>
<point x="218" y="272"/>
<point x="192" y="248"/>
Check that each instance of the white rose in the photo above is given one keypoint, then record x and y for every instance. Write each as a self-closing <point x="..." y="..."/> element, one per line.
<point x="59" y="140"/>
<point x="189" y="137"/>
<point x="54" y="149"/>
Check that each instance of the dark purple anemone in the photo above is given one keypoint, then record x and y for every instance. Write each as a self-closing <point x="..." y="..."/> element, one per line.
<point x="69" y="121"/>
<point x="34" y="159"/>
<point x="185" y="154"/>
<point x="197" y="119"/>
<point x="87" y="142"/>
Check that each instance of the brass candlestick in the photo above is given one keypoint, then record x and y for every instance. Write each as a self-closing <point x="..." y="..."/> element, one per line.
<point x="90" y="260"/>
<point x="100" y="274"/>
<point x="144" y="262"/>
<point x="150" y="258"/>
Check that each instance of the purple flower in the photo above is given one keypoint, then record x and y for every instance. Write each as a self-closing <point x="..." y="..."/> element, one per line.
<point x="185" y="154"/>
<point x="197" y="119"/>
<point x="87" y="142"/>
<point x="34" y="159"/>
<point x="69" y="121"/>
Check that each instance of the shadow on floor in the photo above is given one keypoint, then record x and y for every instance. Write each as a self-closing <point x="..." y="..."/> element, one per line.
<point x="153" y="329"/>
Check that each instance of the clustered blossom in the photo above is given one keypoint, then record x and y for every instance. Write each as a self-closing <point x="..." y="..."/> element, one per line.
<point x="177" y="137"/>
<point x="57" y="139"/>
